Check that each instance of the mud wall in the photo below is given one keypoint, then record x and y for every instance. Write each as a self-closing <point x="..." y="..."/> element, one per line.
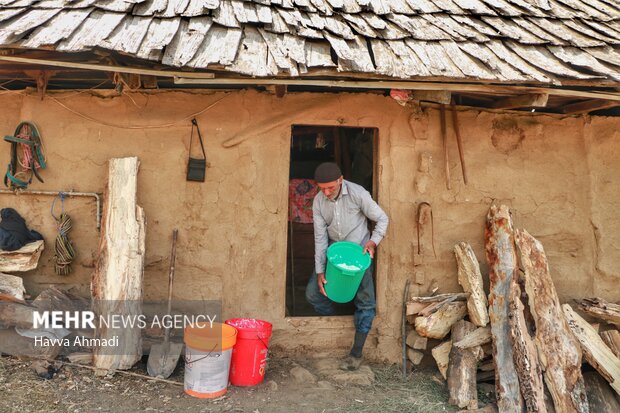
<point x="559" y="175"/>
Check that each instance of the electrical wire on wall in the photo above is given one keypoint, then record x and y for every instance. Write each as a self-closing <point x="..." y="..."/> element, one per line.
<point x="64" y="252"/>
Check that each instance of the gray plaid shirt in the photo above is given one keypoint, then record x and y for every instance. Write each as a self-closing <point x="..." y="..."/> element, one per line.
<point x="345" y="219"/>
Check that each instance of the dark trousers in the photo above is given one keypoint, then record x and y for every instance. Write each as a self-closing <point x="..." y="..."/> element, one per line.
<point x="364" y="301"/>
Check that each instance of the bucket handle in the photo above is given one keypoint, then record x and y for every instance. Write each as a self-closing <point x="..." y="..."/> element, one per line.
<point x="201" y="358"/>
<point x="261" y="340"/>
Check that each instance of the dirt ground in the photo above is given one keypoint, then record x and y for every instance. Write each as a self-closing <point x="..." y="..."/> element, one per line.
<point x="76" y="390"/>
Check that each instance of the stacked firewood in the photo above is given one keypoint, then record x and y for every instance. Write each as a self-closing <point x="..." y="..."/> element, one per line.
<point x="522" y="338"/>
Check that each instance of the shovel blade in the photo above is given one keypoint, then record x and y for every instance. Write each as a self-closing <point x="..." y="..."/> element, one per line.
<point x="163" y="359"/>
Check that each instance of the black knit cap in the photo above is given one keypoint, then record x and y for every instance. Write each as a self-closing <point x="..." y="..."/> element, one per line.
<point x="327" y="172"/>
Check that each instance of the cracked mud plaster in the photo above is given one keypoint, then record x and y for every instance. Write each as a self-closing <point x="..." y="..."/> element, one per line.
<point x="233" y="227"/>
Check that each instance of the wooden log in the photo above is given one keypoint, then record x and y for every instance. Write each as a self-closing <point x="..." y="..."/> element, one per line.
<point x="441" y="354"/>
<point x="80" y="358"/>
<point x="415" y="356"/>
<point x="24" y="259"/>
<point x="53" y="299"/>
<point x="594" y="349"/>
<point x="601" y="309"/>
<point x="487" y="376"/>
<point x="21" y="314"/>
<point x="14" y="344"/>
<point x="415" y="341"/>
<point x="436" y="306"/>
<point x="440" y="297"/>
<point x="600" y="396"/>
<point x="438" y="324"/>
<point x="477" y="337"/>
<point x="470" y="278"/>
<point x="413" y="308"/>
<point x="502" y="259"/>
<point x="558" y="349"/>
<point x="15" y="314"/>
<point x="11" y="288"/>
<point x="612" y="340"/>
<point x="525" y="355"/>
<point x="117" y="280"/>
<point x="462" y="369"/>
<point x="549" y="401"/>
<point x="487" y="366"/>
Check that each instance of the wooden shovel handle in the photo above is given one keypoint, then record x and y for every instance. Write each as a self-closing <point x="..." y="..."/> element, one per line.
<point x="173" y="257"/>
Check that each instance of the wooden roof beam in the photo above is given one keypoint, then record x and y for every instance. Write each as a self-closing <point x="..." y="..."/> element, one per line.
<point x="588" y="106"/>
<point x="392" y="84"/>
<point x="536" y="100"/>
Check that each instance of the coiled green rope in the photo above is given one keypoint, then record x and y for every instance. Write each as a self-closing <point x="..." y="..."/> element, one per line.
<point x="64" y="252"/>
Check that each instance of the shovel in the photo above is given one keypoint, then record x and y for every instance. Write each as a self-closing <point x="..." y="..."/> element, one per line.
<point x="164" y="357"/>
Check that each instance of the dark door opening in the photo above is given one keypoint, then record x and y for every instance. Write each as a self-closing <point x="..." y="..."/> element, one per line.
<point x="353" y="150"/>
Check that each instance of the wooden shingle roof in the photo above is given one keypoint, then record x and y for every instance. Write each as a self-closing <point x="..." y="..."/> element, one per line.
<point x="507" y="41"/>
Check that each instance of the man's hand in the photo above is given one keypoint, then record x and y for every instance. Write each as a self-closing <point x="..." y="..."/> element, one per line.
<point x="370" y="248"/>
<point x="321" y="280"/>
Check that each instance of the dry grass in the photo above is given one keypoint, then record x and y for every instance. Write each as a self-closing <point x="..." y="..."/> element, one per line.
<point x="422" y="392"/>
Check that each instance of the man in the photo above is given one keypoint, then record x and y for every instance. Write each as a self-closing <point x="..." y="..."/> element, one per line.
<point x="341" y="211"/>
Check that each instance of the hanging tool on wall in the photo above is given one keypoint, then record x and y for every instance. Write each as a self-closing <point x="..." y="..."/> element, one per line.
<point x="27" y="154"/>
<point x="444" y="137"/>
<point x="64" y="252"/>
<point x="459" y="142"/>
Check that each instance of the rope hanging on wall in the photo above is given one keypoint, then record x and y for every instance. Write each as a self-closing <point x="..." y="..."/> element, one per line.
<point x="26" y="156"/>
<point x="64" y="252"/>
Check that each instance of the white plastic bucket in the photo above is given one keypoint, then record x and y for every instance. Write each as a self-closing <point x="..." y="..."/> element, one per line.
<point x="208" y="352"/>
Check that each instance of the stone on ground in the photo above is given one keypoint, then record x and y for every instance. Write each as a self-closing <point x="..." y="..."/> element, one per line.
<point x="328" y="368"/>
<point x="302" y="376"/>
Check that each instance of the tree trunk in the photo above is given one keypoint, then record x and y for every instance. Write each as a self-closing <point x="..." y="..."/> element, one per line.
<point x="462" y="369"/>
<point x="117" y="281"/>
<point x="559" y="351"/>
<point x="500" y="252"/>
<point x="525" y="356"/>
<point x="594" y="349"/>
<point x="470" y="279"/>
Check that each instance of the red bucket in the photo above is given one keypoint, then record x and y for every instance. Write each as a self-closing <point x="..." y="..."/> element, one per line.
<point x="249" y="356"/>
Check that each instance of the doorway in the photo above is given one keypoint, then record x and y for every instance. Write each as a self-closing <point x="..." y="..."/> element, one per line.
<point x="353" y="149"/>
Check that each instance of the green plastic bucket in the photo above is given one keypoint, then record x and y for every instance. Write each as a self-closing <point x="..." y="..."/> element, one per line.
<point x="346" y="265"/>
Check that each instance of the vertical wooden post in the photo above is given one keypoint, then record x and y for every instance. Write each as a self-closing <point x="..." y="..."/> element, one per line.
<point x="117" y="280"/>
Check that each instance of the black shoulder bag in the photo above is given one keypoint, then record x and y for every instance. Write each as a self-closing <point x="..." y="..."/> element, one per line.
<point x="196" y="167"/>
